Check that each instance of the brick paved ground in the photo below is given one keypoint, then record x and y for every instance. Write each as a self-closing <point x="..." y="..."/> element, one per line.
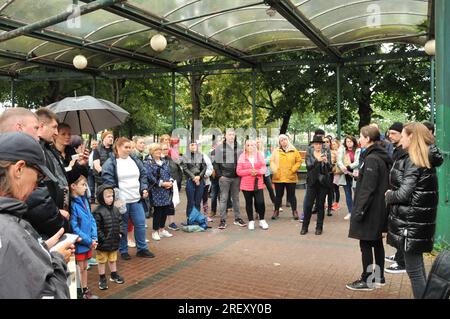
<point x="238" y="263"/>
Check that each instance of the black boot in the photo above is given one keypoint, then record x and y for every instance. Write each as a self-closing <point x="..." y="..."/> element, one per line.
<point x="304" y="231"/>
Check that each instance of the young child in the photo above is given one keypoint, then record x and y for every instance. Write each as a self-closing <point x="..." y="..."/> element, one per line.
<point x="83" y="224"/>
<point x="108" y="220"/>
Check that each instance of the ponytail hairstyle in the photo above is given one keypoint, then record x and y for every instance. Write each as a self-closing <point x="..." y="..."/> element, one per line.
<point x="119" y="142"/>
<point x="421" y="138"/>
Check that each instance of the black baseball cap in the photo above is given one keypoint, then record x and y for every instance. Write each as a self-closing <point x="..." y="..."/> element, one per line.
<point x="16" y="146"/>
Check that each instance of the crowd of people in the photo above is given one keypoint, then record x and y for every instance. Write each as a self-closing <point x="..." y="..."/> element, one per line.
<point x="51" y="183"/>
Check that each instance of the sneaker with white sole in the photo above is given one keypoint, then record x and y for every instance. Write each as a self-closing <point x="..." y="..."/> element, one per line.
<point x="223" y="224"/>
<point x="263" y="224"/>
<point x="251" y="225"/>
<point x="395" y="269"/>
<point x="239" y="222"/>
<point x="165" y="233"/>
<point x="131" y="244"/>
<point x="347" y="217"/>
<point x="146" y="240"/>
<point x="390" y="259"/>
<point x="155" y="236"/>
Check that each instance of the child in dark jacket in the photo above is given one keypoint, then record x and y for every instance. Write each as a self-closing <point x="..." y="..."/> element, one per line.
<point x="83" y="224"/>
<point x="108" y="220"/>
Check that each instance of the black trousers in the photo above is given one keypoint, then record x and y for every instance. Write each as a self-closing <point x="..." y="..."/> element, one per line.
<point x="254" y="198"/>
<point x="315" y="193"/>
<point x="160" y="216"/>
<point x="268" y="183"/>
<point x="279" y="191"/>
<point x="400" y="258"/>
<point x="369" y="248"/>
<point x="337" y="194"/>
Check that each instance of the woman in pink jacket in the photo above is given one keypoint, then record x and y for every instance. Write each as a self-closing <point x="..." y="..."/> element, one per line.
<point x="251" y="168"/>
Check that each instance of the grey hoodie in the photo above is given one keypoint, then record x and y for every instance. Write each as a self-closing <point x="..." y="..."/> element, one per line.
<point x="27" y="269"/>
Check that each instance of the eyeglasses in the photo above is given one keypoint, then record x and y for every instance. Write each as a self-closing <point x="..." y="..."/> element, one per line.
<point x="41" y="176"/>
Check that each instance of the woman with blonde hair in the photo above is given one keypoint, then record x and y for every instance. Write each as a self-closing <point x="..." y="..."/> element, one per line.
<point x="413" y="200"/>
<point x="335" y="145"/>
<point x="284" y="163"/>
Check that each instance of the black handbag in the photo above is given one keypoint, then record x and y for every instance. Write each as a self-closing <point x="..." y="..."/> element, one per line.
<point x="255" y="185"/>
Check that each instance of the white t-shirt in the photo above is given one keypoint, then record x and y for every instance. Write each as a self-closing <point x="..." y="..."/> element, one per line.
<point x="128" y="177"/>
<point x="252" y="160"/>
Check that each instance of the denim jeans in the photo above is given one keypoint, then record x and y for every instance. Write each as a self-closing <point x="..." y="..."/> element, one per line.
<point x="416" y="273"/>
<point x="135" y="211"/>
<point x="194" y="195"/>
<point x="348" y="193"/>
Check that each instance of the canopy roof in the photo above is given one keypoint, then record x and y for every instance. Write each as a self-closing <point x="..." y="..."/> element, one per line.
<point x="111" y="32"/>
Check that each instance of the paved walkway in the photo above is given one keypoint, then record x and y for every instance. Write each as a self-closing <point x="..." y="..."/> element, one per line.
<point x="238" y="263"/>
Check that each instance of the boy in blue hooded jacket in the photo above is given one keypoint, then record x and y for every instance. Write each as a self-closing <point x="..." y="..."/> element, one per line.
<point x="83" y="224"/>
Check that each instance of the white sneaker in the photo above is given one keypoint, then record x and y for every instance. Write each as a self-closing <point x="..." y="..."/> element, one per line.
<point x="155" y="236"/>
<point x="347" y="217"/>
<point x="146" y="240"/>
<point x="263" y="224"/>
<point x="165" y="233"/>
<point x="131" y="244"/>
<point x="281" y="209"/>
<point x="251" y="225"/>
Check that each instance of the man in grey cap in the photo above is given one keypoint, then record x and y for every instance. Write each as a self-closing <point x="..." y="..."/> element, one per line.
<point x="28" y="269"/>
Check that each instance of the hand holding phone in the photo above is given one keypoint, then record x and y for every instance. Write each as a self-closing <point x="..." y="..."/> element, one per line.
<point x="64" y="240"/>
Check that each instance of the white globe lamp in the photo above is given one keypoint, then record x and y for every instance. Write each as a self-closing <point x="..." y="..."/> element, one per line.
<point x="80" y="62"/>
<point x="158" y="42"/>
<point x="430" y="47"/>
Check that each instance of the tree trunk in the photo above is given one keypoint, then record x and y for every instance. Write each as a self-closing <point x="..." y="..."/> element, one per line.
<point x="196" y="85"/>
<point x="54" y="88"/>
<point x="285" y="124"/>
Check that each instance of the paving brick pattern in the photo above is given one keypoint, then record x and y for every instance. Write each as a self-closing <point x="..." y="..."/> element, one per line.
<point x="238" y="263"/>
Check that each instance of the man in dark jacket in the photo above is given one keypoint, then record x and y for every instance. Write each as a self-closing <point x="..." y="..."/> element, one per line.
<point x="225" y="163"/>
<point x="369" y="216"/>
<point x="101" y="155"/>
<point x="109" y="221"/>
<point x="194" y="167"/>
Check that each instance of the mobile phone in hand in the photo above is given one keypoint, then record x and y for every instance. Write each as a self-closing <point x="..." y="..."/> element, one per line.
<point x="65" y="238"/>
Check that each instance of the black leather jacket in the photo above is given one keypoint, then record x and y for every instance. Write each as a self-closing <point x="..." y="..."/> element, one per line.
<point x="413" y="201"/>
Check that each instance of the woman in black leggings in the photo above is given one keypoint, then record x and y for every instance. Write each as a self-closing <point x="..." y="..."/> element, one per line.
<point x="369" y="216"/>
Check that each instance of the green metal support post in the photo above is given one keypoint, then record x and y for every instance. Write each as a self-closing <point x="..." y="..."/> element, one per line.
<point x="432" y="88"/>
<point x="338" y="94"/>
<point x="254" y="98"/>
<point x="174" y="119"/>
<point x="442" y="16"/>
<point x="13" y="93"/>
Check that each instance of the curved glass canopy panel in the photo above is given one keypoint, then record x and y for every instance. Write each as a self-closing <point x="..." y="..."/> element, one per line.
<point x="342" y="21"/>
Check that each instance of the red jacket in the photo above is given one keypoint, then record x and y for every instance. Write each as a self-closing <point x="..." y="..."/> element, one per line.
<point x="244" y="168"/>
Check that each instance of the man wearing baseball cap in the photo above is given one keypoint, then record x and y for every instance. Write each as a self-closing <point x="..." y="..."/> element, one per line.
<point x="27" y="268"/>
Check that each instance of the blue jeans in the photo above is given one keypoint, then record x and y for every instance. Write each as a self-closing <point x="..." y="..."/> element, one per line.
<point x="194" y="195"/>
<point x="214" y="194"/>
<point x="135" y="211"/>
<point x="348" y="193"/>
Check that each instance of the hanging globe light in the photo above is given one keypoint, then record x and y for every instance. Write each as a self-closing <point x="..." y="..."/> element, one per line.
<point x="430" y="47"/>
<point x="158" y="42"/>
<point x="80" y="62"/>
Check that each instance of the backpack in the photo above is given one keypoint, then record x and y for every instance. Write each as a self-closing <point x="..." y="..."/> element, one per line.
<point x="438" y="284"/>
<point x="197" y="218"/>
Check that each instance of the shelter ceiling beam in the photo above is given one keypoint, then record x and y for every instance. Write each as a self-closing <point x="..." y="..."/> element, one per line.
<point x="298" y="20"/>
<point x="181" y="33"/>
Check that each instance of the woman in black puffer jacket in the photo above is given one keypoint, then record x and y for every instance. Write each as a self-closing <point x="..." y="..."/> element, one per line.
<point x="413" y="201"/>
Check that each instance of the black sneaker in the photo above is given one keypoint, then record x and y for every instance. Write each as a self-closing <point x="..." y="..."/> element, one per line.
<point x="102" y="284"/>
<point x="87" y="294"/>
<point x="329" y="213"/>
<point x="239" y="222"/>
<point x="360" y="285"/>
<point x="390" y="259"/>
<point x="145" y="253"/>
<point x="117" y="279"/>
<point x="125" y="256"/>
<point x="395" y="269"/>
<point x="223" y="224"/>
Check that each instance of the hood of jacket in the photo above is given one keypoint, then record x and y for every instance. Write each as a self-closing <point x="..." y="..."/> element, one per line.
<point x="101" y="198"/>
<point x="12" y="206"/>
<point x="435" y="156"/>
<point x="380" y="151"/>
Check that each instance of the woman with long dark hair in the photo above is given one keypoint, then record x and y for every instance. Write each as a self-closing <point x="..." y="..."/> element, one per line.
<point x="348" y="161"/>
<point x="369" y="216"/>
